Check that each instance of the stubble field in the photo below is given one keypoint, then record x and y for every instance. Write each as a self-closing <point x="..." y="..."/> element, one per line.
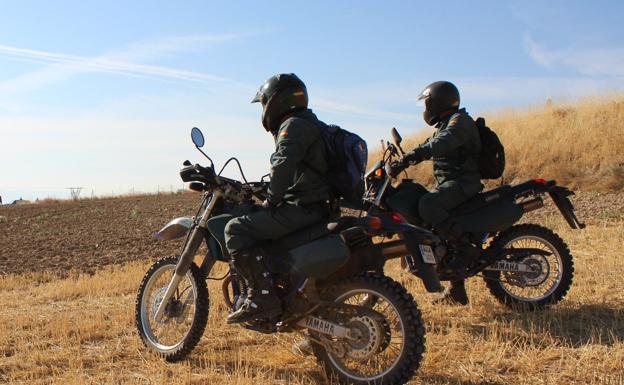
<point x="70" y="320"/>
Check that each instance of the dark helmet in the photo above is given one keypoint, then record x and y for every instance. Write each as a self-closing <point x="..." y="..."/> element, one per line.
<point x="439" y="98"/>
<point x="280" y="95"/>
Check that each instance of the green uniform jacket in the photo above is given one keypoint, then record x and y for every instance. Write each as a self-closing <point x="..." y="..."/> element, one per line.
<point x="454" y="149"/>
<point x="299" y="163"/>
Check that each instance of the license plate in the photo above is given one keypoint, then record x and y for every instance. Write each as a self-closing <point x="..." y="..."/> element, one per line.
<point x="427" y="254"/>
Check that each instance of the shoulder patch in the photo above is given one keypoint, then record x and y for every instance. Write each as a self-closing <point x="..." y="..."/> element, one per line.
<point x="283" y="133"/>
<point x="454" y="120"/>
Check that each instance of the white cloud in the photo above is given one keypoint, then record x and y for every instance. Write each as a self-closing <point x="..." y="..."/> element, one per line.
<point x="126" y="62"/>
<point x="592" y="61"/>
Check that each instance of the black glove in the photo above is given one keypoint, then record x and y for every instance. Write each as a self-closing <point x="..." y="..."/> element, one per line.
<point x="271" y="204"/>
<point x="409" y="159"/>
<point x="396" y="167"/>
<point x="412" y="158"/>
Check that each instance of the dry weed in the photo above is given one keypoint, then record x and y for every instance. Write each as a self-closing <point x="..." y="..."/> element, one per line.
<point x="579" y="144"/>
<point x="80" y="330"/>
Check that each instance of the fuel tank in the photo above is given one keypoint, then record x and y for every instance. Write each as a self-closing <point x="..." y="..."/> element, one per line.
<point x="404" y="200"/>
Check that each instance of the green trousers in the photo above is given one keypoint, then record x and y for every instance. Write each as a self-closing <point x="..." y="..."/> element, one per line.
<point x="246" y="231"/>
<point x="434" y="206"/>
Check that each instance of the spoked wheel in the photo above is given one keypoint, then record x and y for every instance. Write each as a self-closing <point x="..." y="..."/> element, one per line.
<point x="384" y="351"/>
<point x="186" y="313"/>
<point x="551" y="271"/>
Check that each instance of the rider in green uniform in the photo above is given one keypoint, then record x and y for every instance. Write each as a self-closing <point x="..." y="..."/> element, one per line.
<point x="454" y="150"/>
<point x="298" y="194"/>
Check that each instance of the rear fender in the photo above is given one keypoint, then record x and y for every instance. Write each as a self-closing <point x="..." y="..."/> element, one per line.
<point x="422" y="262"/>
<point x="559" y="195"/>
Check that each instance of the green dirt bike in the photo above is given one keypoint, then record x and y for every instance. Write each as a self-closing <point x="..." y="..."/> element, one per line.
<point x="364" y="327"/>
<point x="522" y="264"/>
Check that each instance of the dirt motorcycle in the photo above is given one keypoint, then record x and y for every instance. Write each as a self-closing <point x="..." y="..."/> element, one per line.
<point x="364" y="327"/>
<point x="522" y="264"/>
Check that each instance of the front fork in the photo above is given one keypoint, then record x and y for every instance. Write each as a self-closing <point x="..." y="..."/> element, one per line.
<point x="190" y="249"/>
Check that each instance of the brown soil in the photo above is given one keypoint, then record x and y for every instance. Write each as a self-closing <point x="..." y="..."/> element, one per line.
<point x="84" y="235"/>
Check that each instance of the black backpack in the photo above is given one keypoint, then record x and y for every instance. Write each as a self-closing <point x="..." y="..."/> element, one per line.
<point x="491" y="159"/>
<point x="347" y="155"/>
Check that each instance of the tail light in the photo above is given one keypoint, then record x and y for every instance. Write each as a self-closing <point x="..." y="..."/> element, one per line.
<point x="540" y="180"/>
<point x="397" y="218"/>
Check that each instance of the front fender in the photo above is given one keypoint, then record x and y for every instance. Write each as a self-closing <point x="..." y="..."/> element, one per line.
<point x="177" y="228"/>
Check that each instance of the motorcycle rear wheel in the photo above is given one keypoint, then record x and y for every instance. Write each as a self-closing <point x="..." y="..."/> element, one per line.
<point x="532" y="291"/>
<point x="396" y="355"/>
<point x="186" y="314"/>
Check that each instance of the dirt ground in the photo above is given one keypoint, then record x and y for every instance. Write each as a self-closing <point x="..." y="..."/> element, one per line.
<point x="85" y="235"/>
<point x="88" y="234"/>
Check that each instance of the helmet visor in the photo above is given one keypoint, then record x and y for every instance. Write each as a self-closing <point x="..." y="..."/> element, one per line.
<point x="258" y="98"/>
<point x="425" y="94"/>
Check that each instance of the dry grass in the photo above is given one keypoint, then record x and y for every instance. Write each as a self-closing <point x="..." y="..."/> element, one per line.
<point x="579" y="143"/>
<point x="80" y="330"/>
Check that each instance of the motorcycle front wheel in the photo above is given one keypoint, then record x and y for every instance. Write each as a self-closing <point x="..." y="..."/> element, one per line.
<point x="186" y="313"/>
<point x="387" y="352"/>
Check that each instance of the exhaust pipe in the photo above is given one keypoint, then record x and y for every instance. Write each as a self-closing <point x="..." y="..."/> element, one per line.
<point x="394" y="249"/>
<point x="532" y="204"/>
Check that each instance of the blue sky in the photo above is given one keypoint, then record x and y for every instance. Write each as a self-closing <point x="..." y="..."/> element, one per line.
<point x="103" y="94"/>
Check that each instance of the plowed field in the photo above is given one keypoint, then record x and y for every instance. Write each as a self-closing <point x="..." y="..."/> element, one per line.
<point x="85" y="235"/>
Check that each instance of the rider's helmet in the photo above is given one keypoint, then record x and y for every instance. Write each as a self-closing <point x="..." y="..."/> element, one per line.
<point x="439" y="97"/>
<point x="280" y="95"/>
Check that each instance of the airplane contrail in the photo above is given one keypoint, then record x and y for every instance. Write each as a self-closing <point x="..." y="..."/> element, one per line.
<point x="103" y="64"/>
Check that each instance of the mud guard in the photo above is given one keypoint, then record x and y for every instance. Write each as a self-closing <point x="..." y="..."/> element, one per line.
<point x="176" y="228"/>
<point x="559" y="195"/>
<point x="425" y="271"/>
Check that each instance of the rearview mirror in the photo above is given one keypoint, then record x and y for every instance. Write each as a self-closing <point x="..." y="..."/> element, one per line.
<point x="396" y="137"/>
<point x="197" y="137"/>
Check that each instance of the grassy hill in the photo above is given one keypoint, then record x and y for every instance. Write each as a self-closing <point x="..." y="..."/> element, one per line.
<point x="580" y="143"/>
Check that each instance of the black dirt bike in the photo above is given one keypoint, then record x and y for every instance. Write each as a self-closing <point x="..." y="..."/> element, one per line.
<point x="522" y="264"/>
<point x="364" y="327"/>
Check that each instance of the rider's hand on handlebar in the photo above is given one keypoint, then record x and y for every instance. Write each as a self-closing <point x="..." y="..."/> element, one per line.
<point x="412" y="158"/>
<point x="409" y="159"/>
<point x="271" y="204"/>
<point x="396" y="167"/>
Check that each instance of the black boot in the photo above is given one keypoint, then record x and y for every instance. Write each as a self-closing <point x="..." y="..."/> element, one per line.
<point x="455" y="296"/>
<point x="262" y="301"/>
<point x="465" y="253"/>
